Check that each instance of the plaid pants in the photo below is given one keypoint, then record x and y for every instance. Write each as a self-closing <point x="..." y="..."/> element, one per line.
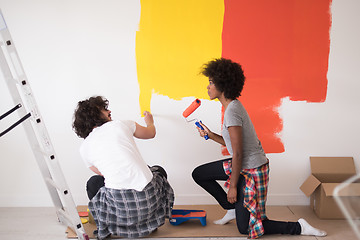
<point x="130" y="213"/>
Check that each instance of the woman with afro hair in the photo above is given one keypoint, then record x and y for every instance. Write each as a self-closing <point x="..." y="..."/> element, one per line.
<point x="247" y="171"/>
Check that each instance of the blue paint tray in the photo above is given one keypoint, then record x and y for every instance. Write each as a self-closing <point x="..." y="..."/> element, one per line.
<point x="181" y="215"/>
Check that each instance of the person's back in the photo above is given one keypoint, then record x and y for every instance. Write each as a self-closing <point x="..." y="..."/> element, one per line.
<point x="111" y="148"/>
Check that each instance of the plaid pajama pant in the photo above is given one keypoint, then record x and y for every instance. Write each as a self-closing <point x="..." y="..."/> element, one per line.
<point x="130" y="213"/>
<point x="255" y="194"/>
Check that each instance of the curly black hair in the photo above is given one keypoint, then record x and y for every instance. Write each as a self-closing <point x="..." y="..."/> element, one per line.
<point x="228" y="76"/>
<point x="88" y="115"/>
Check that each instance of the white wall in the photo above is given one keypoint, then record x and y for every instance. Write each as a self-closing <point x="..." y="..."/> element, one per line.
<point x="75" y="49"/>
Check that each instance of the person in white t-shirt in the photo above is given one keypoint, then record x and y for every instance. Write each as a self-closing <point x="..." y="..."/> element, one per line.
<point x="110" y="151"/>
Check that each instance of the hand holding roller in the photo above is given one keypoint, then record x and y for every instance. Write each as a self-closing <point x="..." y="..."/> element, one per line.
<point x="201" y="127"/>
<point x="193" y="106"/>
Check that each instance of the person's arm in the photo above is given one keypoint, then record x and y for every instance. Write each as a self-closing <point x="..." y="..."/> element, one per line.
<point x="213" y="136"/>
<point x="146" y="132"/>
<point x="95" y="170"/>
<point x="235" y="133"/>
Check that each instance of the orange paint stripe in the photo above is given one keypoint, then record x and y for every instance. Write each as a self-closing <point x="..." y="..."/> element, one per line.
<point x="283" y="46"/>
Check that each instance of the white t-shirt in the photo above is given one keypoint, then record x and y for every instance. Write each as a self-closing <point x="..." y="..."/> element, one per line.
<point x="111" y="148"/>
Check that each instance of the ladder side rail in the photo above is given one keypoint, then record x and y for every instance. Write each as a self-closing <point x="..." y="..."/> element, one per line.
<point x="33" y="140"/>
<point x="43" y="162"/>
<point x="44" y="138"/>
<point x="27" y="127"/>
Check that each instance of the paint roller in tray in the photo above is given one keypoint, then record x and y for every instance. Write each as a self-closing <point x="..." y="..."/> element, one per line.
<point x="193" y="106"/>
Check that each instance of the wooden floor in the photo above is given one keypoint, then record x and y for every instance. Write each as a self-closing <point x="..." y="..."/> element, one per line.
<point x="42" y="224"/>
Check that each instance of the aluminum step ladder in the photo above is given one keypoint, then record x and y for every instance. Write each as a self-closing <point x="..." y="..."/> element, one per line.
<point x="36" y="132"/>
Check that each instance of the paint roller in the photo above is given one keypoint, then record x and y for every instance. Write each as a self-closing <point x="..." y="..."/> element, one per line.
<point x="193" y="106"/>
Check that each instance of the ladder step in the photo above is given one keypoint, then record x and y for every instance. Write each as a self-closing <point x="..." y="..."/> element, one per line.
<point x="15" y="124"/>
<point x="10" y="111"/>
<point x="49" y="155"/>
<point x="52" y="183"/>
<point x="75" y="226"/>
<point x="63" y="215"/>
<point x="62" y="190"/>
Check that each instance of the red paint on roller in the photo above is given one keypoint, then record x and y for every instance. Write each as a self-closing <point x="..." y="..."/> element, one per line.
<point x="194" y="105"/>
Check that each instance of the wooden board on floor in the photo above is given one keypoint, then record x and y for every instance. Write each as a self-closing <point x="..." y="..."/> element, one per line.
<point x="193" y="227"/>
<point x="336" y="229"/>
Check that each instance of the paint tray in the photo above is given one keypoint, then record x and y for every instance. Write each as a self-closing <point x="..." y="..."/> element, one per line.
<point x="181" y="215"/>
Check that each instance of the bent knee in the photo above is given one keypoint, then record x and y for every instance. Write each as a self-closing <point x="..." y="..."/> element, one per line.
<point x="196" y="174"/>
<point x="95" y="180"/>
<point x="159" y="169"/>
<point x="243" y="228"/>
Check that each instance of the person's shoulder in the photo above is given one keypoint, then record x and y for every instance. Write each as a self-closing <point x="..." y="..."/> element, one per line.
<point x="234" y="106"/>
<point x="117" y="122"/>
<point x="120" y="122"/>
<point x="236" y="103"/>
<point x="126" y="123"/>
<point x="106" y="127"/>
<point x="235" y="109"/>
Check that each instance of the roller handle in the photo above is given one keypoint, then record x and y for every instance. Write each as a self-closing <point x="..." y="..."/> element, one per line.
<point x="199" y="126"/>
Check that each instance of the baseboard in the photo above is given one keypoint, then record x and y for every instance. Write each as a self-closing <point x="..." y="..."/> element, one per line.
<point x="287" y="199"/>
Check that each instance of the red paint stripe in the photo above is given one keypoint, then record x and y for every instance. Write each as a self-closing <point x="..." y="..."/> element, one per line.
<point x="283" y="46"/>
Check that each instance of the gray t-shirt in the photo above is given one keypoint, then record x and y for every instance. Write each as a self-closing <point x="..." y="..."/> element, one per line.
<point x="253" y="153"/>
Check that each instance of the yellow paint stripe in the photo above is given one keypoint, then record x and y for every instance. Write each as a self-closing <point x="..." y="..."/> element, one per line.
<point x="174" y="40"/>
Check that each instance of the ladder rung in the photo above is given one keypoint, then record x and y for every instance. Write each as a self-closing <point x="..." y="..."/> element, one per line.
<point x="44" y="153"/>
<point x="52" y="183"/>
<point x="76" y="227"/>
<point x="10" y="111"/>
<point x="63" y="190"/>
<point x="65" y="216"/>
<point x="15" y="124"/>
